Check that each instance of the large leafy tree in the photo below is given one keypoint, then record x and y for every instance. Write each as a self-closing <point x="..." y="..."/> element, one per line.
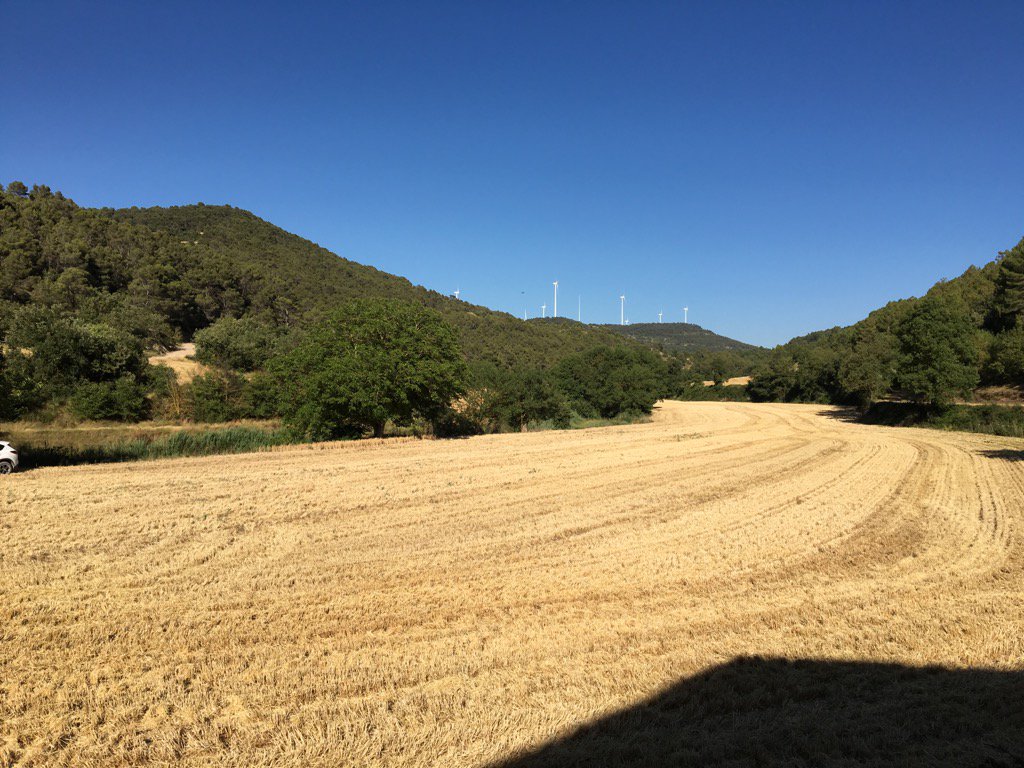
<point x="370" y="362"/>
<point x="525" y="396"/>
<point x="608" y="381"/>
<point x="243" y="344"/>
<point x="939" y="350"/>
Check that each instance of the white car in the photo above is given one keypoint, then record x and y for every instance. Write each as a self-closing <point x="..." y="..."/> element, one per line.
<point x="8" y="458"/>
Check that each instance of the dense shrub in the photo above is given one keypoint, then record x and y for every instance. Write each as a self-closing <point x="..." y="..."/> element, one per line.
<point x="215" y="396"/>
<point x="525" y="396"/>
<point x="244" y="344"/>
<point x="609" y="381"/>
<point x="370" y="362"/>
<point x="120" y="400"/>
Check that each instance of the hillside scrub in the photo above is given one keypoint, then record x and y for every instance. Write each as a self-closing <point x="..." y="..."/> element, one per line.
<point x="84" y="293"/>
<point x="934" y="349"/>
<point x="1003" y="420"/>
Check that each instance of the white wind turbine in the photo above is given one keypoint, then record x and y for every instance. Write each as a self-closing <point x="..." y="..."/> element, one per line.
<point x="622" y="309"/>
<point x="543" y="310"/>
<point x="456" y="294"/>
<point x="659" y="316"/>
<point x="554" y="313"/>
<point x="686" y="311"/>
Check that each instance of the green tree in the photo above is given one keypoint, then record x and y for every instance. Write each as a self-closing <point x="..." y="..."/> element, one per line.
<point x="19" y="392"/>
<point x="243" y="344"/>
<point x="608" y="381"/>
<point x="1009" y="294"/>
<point x="1006" y="364"/>
<point x="18" y="189"/>
<point x="868" y="370"/>
<point x="775" y="381"/>
<point x="371" y="361"/>
<point x="121" y="400"/>
<point x="939" y="351"/>
<point x="526" y="396"/>
<point x="62" y="352"/>
<point x="215" y="396"/>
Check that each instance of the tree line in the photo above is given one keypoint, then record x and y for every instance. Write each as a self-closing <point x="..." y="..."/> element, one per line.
<point x="962" y="334"/>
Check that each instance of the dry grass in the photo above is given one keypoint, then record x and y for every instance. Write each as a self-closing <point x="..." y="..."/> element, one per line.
<point x="98" y="434"/>
<point x="421" y="603"/>
<point x="181" y="362"/>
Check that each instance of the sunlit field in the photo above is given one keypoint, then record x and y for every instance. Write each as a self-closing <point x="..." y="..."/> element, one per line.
<point x="560" y="598"/>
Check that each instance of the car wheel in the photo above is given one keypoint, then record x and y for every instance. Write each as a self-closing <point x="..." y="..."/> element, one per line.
<point x="6" y="467"/>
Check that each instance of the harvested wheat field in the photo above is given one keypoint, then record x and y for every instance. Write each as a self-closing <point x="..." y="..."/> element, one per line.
<point x="731" y="584"/>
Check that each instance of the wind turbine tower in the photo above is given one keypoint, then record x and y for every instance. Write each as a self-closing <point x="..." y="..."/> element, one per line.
<point x="622" y="309"/>
<point x="686" y="311"/>
<point x="456" y="294"/>
<point x="554" y="313"/>
<point x="579" y="309"/>
<point x="543" y="310"/>
<point x="659" y="317"/>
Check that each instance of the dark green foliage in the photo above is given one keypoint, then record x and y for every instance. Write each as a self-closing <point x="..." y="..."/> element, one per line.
<point x="1003" y="420"/>
<point x="19" y="392"/>
<point x="123" y="399"/>
<point x="526" y="396"/>
<point x="1006" y="357"/>
<point x="1009" y="288"/>
<point x="928" y="349"/>
<point x="63" y="351"/>
<point x="868" y="368"/>
<point x="776" y="381"/>
<point x="680" y="337"/>
<point x="370" y="362"/>
<point x="607" y="381"/>
<point x="216" y="396"/>
<point x="938" y="344"/>
<point x="699" y="392"/>
<point x="262" y="397"/>
<point x="244" y="344"/>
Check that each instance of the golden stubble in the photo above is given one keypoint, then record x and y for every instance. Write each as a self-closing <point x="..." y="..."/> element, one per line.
<point x="420" y="603"/>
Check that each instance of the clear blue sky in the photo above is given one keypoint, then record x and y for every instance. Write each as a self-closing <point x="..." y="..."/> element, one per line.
<point x="779" y="167"/>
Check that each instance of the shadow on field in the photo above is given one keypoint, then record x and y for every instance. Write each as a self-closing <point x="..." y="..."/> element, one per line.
<point x="842" y="413"/>
<point x="1005" y="454"/>
<point x="763" y="712"/>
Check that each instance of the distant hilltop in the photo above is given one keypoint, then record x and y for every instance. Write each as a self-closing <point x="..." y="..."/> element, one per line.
<point x="680" y="337"/>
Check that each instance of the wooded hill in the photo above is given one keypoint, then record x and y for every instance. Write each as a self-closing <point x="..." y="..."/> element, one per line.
<point x="282" y="277"/>
<point x="165" y="273"/>
<point x="682" y="338"/>
<point x="84" y="293"/>
<point x="963" y="333"/>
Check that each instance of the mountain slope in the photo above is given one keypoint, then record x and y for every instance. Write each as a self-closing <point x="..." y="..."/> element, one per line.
<point x="276" y="273"/>
<point x="963" y="332"/>
<point x="680" y="337"/>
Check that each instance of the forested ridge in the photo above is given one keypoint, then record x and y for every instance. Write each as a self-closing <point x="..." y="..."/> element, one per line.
<point x="681" y="337"/>
<point x="281" y="277"/>
<point x="87" y="294"/>
<point x="164" y="273"/>
<point x="963" y="333"/>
